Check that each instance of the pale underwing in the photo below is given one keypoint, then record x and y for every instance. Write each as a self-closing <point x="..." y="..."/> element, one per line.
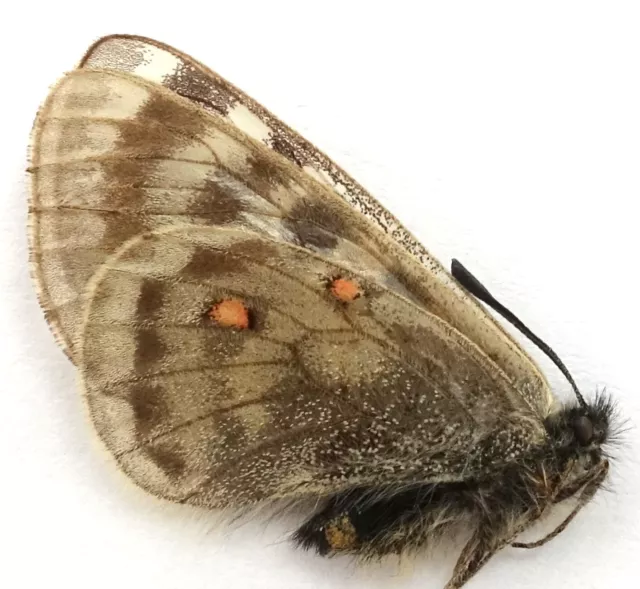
<point x="250" y="326"/>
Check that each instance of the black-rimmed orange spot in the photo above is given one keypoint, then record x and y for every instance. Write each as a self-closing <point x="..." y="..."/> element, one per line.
<point x="345" y="290"/>
<point x="230" y="313"/>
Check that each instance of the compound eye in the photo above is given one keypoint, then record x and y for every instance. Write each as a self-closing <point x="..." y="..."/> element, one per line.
<point x="583" y="428"/>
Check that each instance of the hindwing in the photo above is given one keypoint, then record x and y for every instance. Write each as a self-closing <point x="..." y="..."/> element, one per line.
<point x="313" y="397"/>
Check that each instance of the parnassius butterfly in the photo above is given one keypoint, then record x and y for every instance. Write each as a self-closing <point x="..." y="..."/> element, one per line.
<point x="252" y="327"/>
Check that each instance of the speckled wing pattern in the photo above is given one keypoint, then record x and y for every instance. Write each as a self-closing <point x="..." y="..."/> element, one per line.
<point x="160" y="189"/>
<point x="315" y="398"/>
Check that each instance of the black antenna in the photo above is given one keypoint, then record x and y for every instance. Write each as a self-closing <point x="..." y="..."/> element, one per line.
<point x="475" y="287"/>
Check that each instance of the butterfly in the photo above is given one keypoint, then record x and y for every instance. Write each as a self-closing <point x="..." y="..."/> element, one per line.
<point x="251" y="327"/>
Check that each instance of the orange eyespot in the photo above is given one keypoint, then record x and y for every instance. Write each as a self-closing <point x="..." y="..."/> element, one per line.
<point x="230" y="313"/>
<point x="345" y="290"/>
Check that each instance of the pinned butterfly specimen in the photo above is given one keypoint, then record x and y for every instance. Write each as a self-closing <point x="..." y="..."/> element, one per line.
<point x="251" y="327"/>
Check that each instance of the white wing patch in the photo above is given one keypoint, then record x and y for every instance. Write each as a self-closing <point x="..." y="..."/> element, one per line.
<point x="248" y="122"/>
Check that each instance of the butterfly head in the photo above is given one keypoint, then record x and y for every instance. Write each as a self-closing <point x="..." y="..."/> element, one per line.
<point x="591" y="425"/>
<point x="584" y="431"/>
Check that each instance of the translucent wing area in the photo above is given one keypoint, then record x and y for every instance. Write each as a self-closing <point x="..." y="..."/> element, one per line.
<point x="114" y="155"/>
<point x="314" y="397"/>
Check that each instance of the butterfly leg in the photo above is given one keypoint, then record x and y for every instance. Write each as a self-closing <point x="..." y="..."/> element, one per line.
<point x="492" y="534"/>
<point x="489" y="539"/>
<point x="589" y="490"/>
<point x="477" y="552"/>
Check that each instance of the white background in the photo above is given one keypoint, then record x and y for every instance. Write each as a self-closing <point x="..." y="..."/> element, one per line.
<point x="508" y="136"/>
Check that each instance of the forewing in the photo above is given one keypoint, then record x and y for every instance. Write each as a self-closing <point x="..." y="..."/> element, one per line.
<point x="114" y="155"/>
<point x="313" y="397"/>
